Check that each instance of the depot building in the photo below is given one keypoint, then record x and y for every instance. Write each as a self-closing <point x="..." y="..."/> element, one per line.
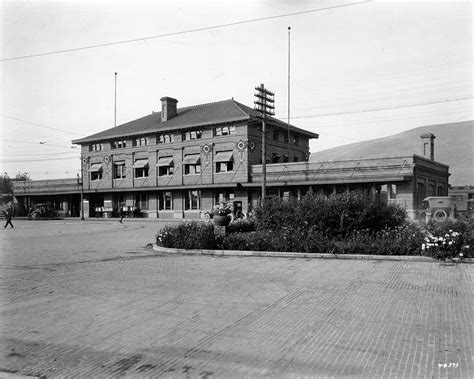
<point x="179" y="162"/>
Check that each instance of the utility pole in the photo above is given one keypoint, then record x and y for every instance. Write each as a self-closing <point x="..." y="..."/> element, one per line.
<point x="264" y="104"/>
<point x="289" y="28"/>
<point x="81" y="183"/>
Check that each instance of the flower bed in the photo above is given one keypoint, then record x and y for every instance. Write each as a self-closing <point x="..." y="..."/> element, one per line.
<point x="350" y="224"/>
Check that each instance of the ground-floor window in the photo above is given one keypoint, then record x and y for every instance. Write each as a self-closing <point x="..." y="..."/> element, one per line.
<point x="224" y="195"/>
<point x="141" y="200"/>
<point x="165" y="200"/>
<point x="192" y="199"/>
<point x="420" y="194"/>
<point x="118" y="201"/>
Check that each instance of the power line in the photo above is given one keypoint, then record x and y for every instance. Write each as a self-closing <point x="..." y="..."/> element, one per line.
<point x="37" y="154"/>
<point x="34" y="143"/>
<point x="184" y="31"/>
<point x="43" y="126"/>
<point x="39" y="160"/>
<point x="467" y="97"/>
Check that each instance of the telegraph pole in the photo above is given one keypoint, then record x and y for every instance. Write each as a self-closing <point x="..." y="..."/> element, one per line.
<point x="81" y="178"/>
<point x="264" y="104"/>
<point x="288" y="131"/>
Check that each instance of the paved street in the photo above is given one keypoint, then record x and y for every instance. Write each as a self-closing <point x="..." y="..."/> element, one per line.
<point x="87" y="300"/>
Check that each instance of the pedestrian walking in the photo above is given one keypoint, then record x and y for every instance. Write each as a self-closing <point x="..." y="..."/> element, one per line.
<point x="122" y="213"/>
<point x="8" y="216"/>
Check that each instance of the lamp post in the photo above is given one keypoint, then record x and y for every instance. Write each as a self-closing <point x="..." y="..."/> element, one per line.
<point x="80" y="182"/>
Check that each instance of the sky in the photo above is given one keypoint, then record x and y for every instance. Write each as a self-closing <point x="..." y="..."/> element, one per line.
<point x="356" y="70"/>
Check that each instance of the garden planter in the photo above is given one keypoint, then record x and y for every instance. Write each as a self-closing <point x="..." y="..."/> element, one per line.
<point x="221" y="220"/>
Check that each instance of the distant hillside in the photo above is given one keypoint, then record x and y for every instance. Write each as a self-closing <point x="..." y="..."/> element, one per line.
<point x="454" y="146"/>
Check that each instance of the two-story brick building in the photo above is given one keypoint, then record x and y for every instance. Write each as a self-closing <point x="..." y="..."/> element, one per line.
<point x="179" y="162"/>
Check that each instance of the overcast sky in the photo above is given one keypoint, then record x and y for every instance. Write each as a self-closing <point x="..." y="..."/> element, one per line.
<point x="357" y="72"/>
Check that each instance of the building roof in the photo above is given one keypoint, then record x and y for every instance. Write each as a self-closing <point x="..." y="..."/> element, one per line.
<point x="194" y="116"/>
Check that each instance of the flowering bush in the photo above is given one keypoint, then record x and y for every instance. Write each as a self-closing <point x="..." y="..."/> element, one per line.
<point x="222" y="209"/>
<point x="447" y="239"/>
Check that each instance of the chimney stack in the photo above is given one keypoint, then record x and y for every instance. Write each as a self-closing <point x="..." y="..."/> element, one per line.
<point x="428" y="145"/>
<point x="168" y="108"/>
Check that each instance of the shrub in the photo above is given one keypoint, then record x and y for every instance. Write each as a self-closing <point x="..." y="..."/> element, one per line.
<point x="241" y="226"/>
<point x="253" y="241"/>
<point x="336" y="217"/>
<point x="401" y="240"/>
<point x="283" y="240"/>
<point x="187" y="235"/>
<point x="446" y="239"/>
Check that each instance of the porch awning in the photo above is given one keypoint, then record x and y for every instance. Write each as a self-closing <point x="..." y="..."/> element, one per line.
<point x="191" y="159"/>
<point x="95" y="167"/>
<point x="165" y="161"/>
<point x="224" y="156"/>
<point x="140" y="163"/>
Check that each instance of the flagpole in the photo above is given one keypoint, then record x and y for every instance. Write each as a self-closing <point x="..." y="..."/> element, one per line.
<point x="115" y="105"/>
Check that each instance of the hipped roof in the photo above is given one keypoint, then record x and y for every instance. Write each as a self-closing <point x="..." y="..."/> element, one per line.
<point x="194" y="116"/>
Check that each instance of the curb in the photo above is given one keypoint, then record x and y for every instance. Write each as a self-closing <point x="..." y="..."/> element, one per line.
<point x="275" y="254"/>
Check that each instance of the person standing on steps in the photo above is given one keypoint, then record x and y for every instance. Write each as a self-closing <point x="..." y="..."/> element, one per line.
<point x="8" y="216"/>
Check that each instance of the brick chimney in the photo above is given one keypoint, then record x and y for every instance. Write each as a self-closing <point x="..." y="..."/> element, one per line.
<point x="168" y="108"/>
<point x="427" y="140"/>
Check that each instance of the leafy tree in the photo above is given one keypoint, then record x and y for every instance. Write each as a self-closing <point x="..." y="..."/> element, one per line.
<point x="22" y="176"/>
<point x="5" y="183"/>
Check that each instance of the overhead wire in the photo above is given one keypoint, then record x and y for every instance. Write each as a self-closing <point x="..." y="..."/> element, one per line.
<point x="33" y="143"/>
<point x="184" y="31"/>
<point x="439" y="101"/>
<point x="40" y="125"/>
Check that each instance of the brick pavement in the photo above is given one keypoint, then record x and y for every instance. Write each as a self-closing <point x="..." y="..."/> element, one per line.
<point x="201" y="316"/>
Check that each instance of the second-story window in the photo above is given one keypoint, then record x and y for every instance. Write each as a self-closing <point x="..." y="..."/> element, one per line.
<point x="276" y="134"/>
<point x="119" y="170"/>
<point x="95" y="171"/>
<point x="296" y="139"/>
<point x="165" y="166"/>
<point x="96" y="147"/>
<point x="224" y="131"/>
<point x="140" y="168"/>
<point x="224" y="161"/>
<point x="165" y="138"/>
<point x="192" y="164"/>
<point x="141" y="141"/>
<point x="119" y="144"/>
<point x="192" y="134"/>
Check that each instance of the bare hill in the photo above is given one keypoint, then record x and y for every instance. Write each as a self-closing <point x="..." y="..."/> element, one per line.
<point x="454" y="146"/>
